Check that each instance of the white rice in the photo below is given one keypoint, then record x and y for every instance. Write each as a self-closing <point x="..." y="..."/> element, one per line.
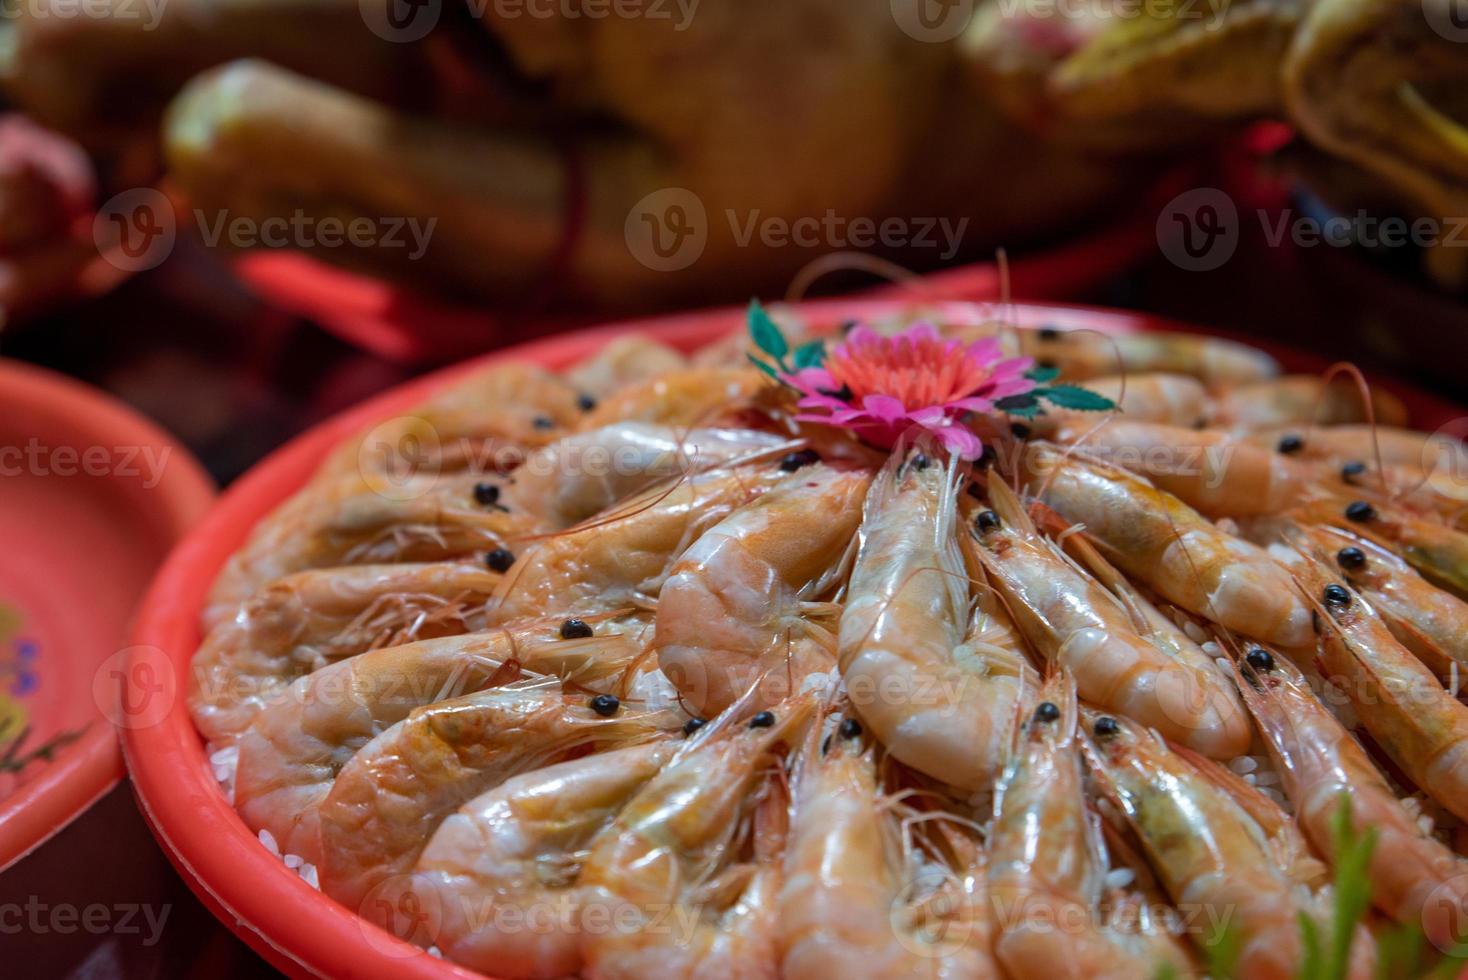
<point x="223" y="763"/>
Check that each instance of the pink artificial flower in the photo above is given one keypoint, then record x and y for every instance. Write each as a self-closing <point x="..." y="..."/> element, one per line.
<point x="915" y="380"/>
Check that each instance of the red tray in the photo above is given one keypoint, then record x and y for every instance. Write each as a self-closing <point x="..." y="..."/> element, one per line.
<point x="293" y="926"/>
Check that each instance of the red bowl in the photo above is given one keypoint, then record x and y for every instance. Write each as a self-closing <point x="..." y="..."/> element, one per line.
<point x="92" y="497"/>
<point x="293" y="926"/>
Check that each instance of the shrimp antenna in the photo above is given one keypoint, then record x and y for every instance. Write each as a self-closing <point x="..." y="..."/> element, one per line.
<point x="850" y="261"/>
<point x="1363" y="387"/>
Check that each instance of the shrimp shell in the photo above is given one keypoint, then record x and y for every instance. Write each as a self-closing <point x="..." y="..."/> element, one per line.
<point x="301" y="622"/>
<point x="1157" y="539"/>
<point x="1414" y="878"/>
<point x="731" y="610"/>
<point x="518" y="848"/>
<point x="940" y="706"/>
<point x="1211" y="852"/>
<point x="392" y="795"/>
<point x="294" y="749"/>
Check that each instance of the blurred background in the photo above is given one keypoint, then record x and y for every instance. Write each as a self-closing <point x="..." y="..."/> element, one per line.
<point x="240" y="216"/>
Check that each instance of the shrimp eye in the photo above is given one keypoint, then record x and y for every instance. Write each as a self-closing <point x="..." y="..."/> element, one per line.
<point x="605" y="705"/>
<point x="1046" y="712"/>
<point x="1336" y="595"/>
<point x="1360" y="512"/>
<point x="987" y="521"/>
<point x="500" y="559"/>
<point x="1290" y="444"/>
<point x="543" y="422"/>
<point x="1351" y="558"/>
<point x="762" y="720"/>
<point x="1261" y="660"/>
<point x="920" y="462"/>
<point x="850" y="728"/>
<point x="585" y="402"/>
<point x="1049" y="334"/>
<point x="575" y="629"/>
<point x="1351" y="470"/>
<point x="486" y="494"/>
<point x="1020" y="430"/>
<point x="693" y="725"/>
<point x="1106" y="727"/>
<point x="795" y="461"/>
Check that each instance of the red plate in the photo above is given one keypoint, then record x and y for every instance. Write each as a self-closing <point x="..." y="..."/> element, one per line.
<point x="92" y="497"/>
<point x="270" y="907"/>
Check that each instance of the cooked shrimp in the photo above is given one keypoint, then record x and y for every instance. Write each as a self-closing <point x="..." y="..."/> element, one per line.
<point x="616" y="559"/>
<point x="582" y="475"/>
<point x="1047" y="864"/>
<point x="1076" y="625"/>
<point x="665" y="880"/>
<point x="1170" y="399"/>
<point x="519" y="848"/>
<point x="1302" y="399"/>
<point x="345" y="521"/>
<point x="1414" y="878"/>
<point x="1421" y="727"/>
<point x="848" y="904"/>
<point x="695" y="396"/>
<point x="1082" y="354"/>
<point x="492" y="412"/>
<point x="1404" y="447"/>
<point x="1211" y="851"/>
<point x="940" y="704"/>
<point x="1439" y="552"/>
<point x="1428" y="621"/>
<point x="626" y="360"/>
<point x="1160" y="541"/>
<point x="1216" y="473"/>
<point x="394" y="792"/>
<point x="304" y="621"/>
<point x="733" y="609"/>
<point x="295" y="747"/>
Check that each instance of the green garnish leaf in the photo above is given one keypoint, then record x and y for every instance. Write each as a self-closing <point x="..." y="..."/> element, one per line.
<point x="766" y="334"/>
<point x="1076" y="398"/>
<point x="765" y="367"/>
<point x="810" y="355"/>
<point x="1311" y="963"/>
<point x="1352" y="886"/>
<point x="1025" y="406"/>
<point x="1221" y="951"/>
<point x="1043" y="375"/>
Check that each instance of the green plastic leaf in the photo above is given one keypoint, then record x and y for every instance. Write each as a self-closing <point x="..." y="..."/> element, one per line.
<point x="810" y="355"/>
<point x="1043" y="375"/>
<point x="1076" y="398"/>
<point x="766" y="334"/>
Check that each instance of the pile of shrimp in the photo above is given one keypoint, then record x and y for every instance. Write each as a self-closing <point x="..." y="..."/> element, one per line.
<point x="624" y="672"/>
